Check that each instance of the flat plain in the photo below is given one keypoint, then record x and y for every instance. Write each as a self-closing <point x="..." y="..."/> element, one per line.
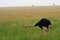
<point x="14" y="19"/>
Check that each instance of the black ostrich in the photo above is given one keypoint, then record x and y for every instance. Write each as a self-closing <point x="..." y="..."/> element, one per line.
<point x="43" y="24"/>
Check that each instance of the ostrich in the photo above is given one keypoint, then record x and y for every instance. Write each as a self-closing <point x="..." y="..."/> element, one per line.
<point x="44" y="24"/>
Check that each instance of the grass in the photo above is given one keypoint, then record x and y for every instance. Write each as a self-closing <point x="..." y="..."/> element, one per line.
<point x="12" y="26"/>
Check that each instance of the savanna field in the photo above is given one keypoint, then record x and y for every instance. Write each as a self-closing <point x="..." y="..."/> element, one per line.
<point x="13" y="21"/>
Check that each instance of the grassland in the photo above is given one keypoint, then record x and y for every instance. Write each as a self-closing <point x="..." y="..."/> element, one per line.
<point x="14" y="19"/>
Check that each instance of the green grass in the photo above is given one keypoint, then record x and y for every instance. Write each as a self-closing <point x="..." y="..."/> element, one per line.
<point x="13" y="21"/>
<point x="15" y="30"/>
